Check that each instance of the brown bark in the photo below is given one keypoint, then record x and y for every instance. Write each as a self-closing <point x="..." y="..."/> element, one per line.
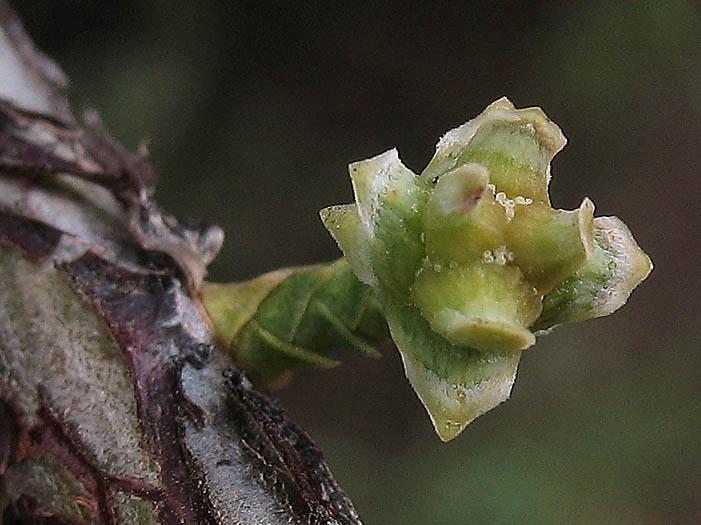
<point x="115" y="406"/>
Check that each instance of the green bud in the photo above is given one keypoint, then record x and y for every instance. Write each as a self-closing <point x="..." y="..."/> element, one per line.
<point x="488" y="306"/>
<point x="465" y="262"/>
<point x="295" y="317"/>
<point x="549" y="245"/>
<point x="468" y="258"/>
<point x="463" y="206"/>
<point x="603" y="284"/>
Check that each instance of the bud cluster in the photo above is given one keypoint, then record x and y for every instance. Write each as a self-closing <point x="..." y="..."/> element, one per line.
<point x="469" y="259"/>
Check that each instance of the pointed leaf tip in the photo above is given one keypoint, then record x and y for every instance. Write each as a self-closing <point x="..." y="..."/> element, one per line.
<point x="452" y="406"/>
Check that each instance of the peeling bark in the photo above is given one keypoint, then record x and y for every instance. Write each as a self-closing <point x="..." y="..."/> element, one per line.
<point x="296" y="454"/>
<point x="115" y="406"/>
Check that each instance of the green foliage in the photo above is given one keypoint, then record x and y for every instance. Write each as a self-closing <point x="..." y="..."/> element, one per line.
<point x="466" y="261"/>
<point x="295" y="317"/>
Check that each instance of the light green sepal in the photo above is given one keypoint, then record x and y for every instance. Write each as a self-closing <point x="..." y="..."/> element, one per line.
<point x="452" y="406"/>
<point x="617" y="265"/>
<point x="455" y="383"/>
<point x="515" y="145"/>
<point x="390" y="199"/>
<point x="380" y="181"/>
<point x="343" y="222"/>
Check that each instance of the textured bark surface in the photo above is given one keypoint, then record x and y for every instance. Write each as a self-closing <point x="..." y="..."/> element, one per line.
<point x="115" y="406"/>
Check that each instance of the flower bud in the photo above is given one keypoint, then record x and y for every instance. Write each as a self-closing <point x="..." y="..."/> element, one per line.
<point x="469" y="258"/>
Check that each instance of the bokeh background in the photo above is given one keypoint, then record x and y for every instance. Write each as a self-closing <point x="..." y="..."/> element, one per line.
<point x="253" y="110"/>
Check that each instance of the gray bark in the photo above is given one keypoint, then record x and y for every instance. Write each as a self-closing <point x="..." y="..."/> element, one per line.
<point x="115" y="405"/>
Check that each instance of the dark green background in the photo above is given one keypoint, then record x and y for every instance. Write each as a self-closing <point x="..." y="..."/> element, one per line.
<point x="252" y="111"/>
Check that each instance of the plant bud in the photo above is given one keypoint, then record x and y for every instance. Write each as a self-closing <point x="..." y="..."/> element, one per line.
<point x="468" y="259"/>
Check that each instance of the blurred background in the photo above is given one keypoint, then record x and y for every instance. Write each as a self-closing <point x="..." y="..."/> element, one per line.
<point x="252" y="111"/>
